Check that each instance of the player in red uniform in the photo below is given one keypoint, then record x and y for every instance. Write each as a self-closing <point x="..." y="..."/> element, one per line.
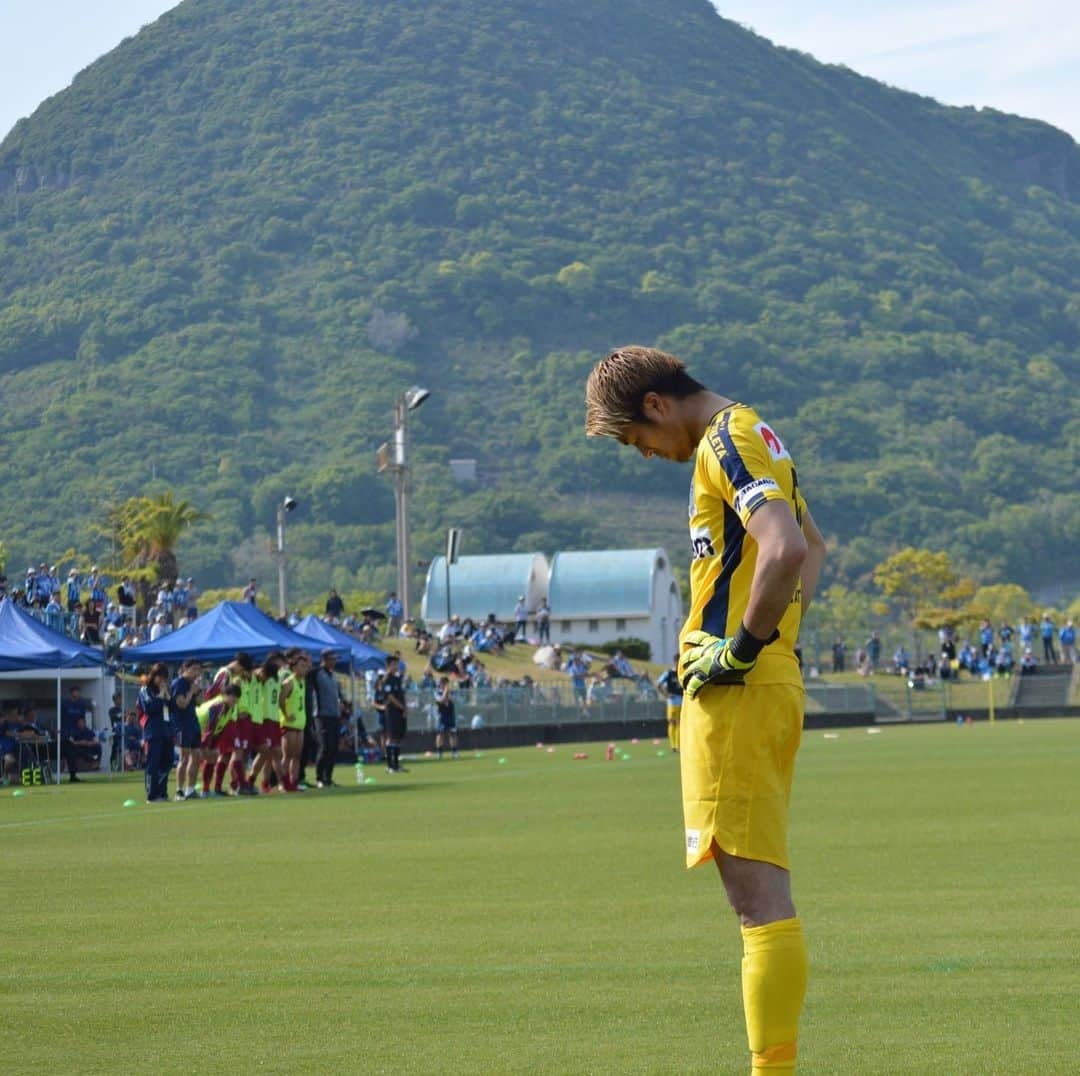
<point x="266" y="719"/>
<point x="234" y="741"/>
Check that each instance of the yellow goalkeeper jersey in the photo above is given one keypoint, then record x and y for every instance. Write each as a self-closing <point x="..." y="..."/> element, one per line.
<point x="740" y="464"/>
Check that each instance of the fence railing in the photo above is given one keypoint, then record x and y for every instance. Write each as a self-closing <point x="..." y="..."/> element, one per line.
<point x="541" y="705"/>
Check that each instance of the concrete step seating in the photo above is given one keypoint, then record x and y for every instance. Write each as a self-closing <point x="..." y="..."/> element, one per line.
<point x="1049" y="686"/>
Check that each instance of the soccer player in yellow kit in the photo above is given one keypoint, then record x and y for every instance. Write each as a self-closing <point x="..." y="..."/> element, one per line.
<point x="756" y="558"/>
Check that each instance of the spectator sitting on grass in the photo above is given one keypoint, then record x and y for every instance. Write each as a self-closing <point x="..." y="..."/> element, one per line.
<point x="1027" y="663"/>
<point x="444" y="659"/>
<point x="862" y="663"/>
<point x="1004" y="661"/>
<point x="497" y="633"/>
<point x="618" y="666"/>
<point x="486" y="640"/>
<point x="901" y="661"/>
<point x="967" y="657"/>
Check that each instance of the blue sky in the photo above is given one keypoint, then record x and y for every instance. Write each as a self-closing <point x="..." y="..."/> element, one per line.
<point x="1019" y="56"/>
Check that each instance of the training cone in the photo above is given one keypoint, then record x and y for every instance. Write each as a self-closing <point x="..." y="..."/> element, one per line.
<point x="19" y="792"/>
<point x="626" y="758"/>
<point x="551" y="750"/>
<point x="502" y="761"/>
<point x="131" y="803"/>
<point x="661" y="754"/>
<point x="369" y="780"/>
<point x="580" y="755"/>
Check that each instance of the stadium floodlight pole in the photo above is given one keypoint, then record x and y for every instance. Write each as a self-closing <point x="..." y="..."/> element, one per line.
<point x="287" y="505"/>
<point x="396" y="459"/>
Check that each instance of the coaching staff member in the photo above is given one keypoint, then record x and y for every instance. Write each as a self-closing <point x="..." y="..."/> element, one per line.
<point x="328" y="718"/>
<point x="396" y="713"/>
<point x="158" y="732"/>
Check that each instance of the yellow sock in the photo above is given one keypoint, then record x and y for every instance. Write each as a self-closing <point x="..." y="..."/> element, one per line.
<point x="673" y="734"/>
<point x="774" y="971"/>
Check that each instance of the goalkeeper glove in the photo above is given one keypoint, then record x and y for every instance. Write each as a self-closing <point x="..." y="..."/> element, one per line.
<point x="711" y="660"/>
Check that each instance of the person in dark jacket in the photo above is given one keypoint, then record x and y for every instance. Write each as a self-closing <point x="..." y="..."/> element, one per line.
<point x="328" y="718"/>
<point x="158" y="733"/>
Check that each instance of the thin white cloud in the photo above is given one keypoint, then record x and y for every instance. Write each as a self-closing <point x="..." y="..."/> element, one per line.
<point x="1022" y="58"/>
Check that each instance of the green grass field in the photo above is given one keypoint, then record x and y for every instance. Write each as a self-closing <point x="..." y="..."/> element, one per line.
<point x="535" y="917"/>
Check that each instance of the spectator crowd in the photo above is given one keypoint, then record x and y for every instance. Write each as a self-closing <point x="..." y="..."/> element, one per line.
<point x="997" y="651"/>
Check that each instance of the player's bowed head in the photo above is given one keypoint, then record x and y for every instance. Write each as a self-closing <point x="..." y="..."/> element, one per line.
<point x="644" y="397"/>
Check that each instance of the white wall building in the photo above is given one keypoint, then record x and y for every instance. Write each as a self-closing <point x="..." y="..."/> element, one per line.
<point x="595" y="596"/>
<point x="600" y="596"/>
<point x="483" y="585"/>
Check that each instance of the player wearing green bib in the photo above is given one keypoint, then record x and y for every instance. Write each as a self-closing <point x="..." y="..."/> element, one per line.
<point x="265" y="717"/>
<point x="234" y="740"/>
<point x="214" y="716"/>
<point x="292" y="702"/>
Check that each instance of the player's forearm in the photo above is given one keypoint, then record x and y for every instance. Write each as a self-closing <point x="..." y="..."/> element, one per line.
<point x="815" y="558"/>
<point x="811" y="573"/>
<point x="776" y="578"/>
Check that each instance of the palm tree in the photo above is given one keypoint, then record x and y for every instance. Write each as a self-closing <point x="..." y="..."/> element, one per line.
<point x="150" y="529"/>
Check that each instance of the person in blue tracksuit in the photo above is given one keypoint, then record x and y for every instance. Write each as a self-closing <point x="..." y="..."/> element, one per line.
<point x="158" y="733"/>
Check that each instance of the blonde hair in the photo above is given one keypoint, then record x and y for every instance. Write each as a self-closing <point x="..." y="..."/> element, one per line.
<point x="621" y="380"/>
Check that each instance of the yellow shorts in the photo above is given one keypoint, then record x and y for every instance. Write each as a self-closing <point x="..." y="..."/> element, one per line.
<point x="737" y="761"/>
<point x="673" y="712"/>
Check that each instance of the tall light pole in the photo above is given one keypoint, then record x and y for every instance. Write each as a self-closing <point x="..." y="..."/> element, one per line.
<point x="287" y="505"/>
<point x="395" y="458"/>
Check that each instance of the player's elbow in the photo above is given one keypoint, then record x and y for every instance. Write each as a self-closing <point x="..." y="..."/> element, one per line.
<point x="789" y="551"/>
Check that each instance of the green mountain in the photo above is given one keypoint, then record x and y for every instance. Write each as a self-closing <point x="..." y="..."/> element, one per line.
<point x="229" y="245"/>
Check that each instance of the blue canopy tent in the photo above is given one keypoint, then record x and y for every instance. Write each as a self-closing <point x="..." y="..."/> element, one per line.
<point x="226" y="629"/>
<point x="31" y="651"/>
<point x="25" y="643"/>
<point x="363" y="657"/>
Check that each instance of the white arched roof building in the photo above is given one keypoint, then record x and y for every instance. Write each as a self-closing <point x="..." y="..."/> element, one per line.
<point x="602" y="595"/>
<point x="482" y="585"/>
<point x="595" y="596"/>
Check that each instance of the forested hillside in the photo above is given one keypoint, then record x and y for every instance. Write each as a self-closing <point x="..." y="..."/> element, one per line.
<point x="235" y="238"/>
